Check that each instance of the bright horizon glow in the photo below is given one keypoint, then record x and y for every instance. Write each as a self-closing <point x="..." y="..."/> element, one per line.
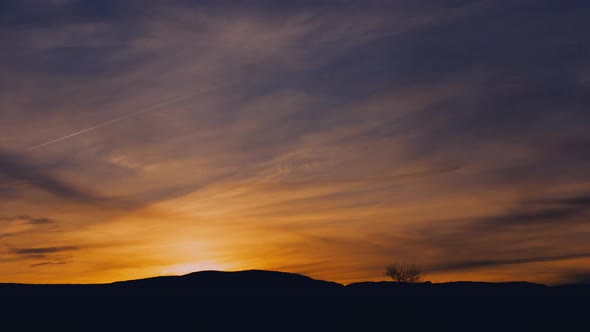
<point x="182" y="269"/>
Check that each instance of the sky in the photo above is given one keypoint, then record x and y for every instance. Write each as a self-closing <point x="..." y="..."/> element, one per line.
<point x="327" y="138"/>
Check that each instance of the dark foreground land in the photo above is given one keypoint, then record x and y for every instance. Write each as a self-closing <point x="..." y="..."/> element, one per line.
<point x="270" y="283"/>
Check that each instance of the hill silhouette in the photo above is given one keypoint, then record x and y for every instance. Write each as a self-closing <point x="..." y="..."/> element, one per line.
<point x="250" y="282"/>
<point x="274" y="283"/>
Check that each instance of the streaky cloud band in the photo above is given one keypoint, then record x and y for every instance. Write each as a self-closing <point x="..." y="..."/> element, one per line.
<point x="129" y="116"/>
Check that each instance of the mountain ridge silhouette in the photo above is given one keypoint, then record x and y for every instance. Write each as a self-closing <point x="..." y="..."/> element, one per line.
<point x="276" y="283"/>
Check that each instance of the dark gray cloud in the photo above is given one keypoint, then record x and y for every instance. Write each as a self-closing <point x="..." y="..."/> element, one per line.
<point x="17" y="168"/>
<point x="534" y="231"/>
<point x="43" y="251"/>
<point x="543" y="42"/>
<point x="464" y="265"/>
<point x="557" y="211"/>
<point x="13" y="225"/>
<point x="50" y="263"/>
<point x="40" y="14"/>
<point x="30" y="220"/>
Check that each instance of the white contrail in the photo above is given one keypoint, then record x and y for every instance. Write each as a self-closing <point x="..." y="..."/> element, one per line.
<point x="128" y="116"/>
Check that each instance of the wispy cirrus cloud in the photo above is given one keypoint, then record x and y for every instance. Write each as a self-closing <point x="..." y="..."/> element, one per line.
<point x="42" y="251"/>
<point x="20" y="169"/>
<point x="29" y="219"/>
<point x="21" y="225"/>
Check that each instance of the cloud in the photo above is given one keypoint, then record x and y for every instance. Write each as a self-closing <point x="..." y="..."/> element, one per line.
<point x="20" y="169"/>
<point x="44" y="256"/>
<point x="43" y="14"/>
<point x="493" y="263"/>
<point x="558" y="211"/>
<point x="43" y="251"/>
<point x="21" y="225"/>
<point x="547" y="230"/>
<point x="50" y="263"/>
<point x="30" y="220"/>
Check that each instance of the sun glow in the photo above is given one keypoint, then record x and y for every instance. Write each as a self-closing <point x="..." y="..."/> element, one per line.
<point x="180" y="269"/>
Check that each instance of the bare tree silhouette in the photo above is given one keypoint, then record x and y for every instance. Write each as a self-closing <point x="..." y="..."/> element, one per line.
<point x="404" y="272"/>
